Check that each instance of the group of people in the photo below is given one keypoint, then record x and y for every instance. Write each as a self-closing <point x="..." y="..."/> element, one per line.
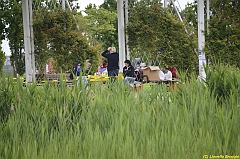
<point x="111" y="67"/>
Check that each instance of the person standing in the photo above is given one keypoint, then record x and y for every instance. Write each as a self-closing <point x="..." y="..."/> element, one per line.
<point x="113" y="59"/>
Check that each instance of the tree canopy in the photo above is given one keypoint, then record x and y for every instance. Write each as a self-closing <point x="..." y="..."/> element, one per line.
<point x="2" y="58"/>
<point x="100" y="26"/>
<point x="159" y="37"/>
<point x="58" y="37"/>
<point x="223" y="40"/>
<point x="13" y="31"/>
<point x="155" y="35"/>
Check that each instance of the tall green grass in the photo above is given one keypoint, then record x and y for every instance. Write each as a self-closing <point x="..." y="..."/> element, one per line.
<point x="109" y="121"/>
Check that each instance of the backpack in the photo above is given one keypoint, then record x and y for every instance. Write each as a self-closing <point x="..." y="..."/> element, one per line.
<point x="71" y="76"/>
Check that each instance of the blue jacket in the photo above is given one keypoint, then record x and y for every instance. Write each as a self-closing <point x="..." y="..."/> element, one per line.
<point x="76" y="71"/>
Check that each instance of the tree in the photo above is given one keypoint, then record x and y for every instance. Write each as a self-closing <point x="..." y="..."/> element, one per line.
<point x="223" y="40"/>
<point x="57" y="36"/>
<point x="157" y="37"/>
<point x="190" y="15"/>
<point x="12" y="18"/>
<point x="2" y="26"/>
<point x="99" y="24"/>
<point x="2" y="59"/>
<point x="111" y="39"/>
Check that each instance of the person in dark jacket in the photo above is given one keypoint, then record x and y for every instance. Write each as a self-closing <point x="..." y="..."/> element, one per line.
<point x="76" y="70"/>
<point x="113" y="59"/>
<point x="128" y="72"/>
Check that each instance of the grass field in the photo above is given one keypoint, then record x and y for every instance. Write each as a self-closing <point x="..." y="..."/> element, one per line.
<point x="55" y="122"/>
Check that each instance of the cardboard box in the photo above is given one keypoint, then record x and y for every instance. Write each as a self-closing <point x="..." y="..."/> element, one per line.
<point x="152" y="72"/>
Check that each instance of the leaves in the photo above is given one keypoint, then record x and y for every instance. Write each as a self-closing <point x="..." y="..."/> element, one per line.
<point x="100" y="26"/>
<point x="223" y="40"/>
<point x="2" y="59"/>
<point x="57" y="36"/>
<point x="152" y="28"/>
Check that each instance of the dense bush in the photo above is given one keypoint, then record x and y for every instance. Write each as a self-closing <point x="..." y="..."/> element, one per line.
<point x="223" y="81"/>
<point x="5" y="99"/>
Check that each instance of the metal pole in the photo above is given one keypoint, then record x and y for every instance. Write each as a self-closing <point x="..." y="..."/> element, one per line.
<point x="63" y="5"/>
<point x="126" y="21"/>
<point x="27" y="43"/>
<point x="32" y="40"/>
<point x="165" y="3"/>
<point x="179" y="16"/>
<point x="121" y="40"/>
<point x="201" y="39"/>
<point x="208" y="15"/>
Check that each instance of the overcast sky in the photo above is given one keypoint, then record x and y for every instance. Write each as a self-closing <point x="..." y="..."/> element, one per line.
<point x="83" y="4"/>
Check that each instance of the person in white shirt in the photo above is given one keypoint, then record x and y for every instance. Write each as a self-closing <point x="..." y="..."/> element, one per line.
<point x="165" y="75"/>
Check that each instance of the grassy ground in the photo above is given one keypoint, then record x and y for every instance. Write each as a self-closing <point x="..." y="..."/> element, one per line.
<point x="110" y="122"/>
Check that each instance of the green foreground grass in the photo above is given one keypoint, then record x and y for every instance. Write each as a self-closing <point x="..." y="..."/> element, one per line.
<point x="107" y="121"/>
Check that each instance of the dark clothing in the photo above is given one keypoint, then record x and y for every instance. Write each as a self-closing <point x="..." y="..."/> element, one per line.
<point x="113" y="59"/>
<point x="76" y="71"/>
<point x="113" y="73"/>
<point x="128" y="71"/>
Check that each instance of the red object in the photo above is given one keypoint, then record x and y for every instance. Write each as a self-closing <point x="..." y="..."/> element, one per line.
<point x="101" y="67"/>
<point x="174" y="72"/>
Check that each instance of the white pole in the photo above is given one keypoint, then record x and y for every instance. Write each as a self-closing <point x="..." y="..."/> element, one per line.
<point x="32" y="40"/>
<point x="63" y="5"/>
<point x="176" y="9"/>
<point x="121" y="40"/>
<point x="201" y="39"/>
<point x="208" y="15"/>
<point x="165" y="3"/>
<point x="27" y="46"/>
<point x="126" y="21"/>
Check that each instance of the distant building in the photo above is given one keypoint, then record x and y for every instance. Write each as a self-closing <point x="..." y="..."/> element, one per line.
<point x="7" y="68"/>
<point x="7" y="61"/>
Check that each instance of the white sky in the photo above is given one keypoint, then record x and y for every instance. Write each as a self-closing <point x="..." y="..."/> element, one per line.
<point x="83" y="4"/>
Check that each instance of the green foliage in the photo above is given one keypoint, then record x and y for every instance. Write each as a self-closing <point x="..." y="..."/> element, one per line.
<point x="6" y="99"/>
<point x="190" y="15"/>
<point x="13" y="31"/>
<point x="110" y="5"/>
<point x="20" y="69"/>
<point x="2" y="25"/>
<point x="57" y="36"/>
<point x="223" y="40"/>
<point x="2" y="59"/>
<point x="223" y="81"/>
<point x="100" y="25"/>
<point x="152" y="28"/>
<point x="111" y="39"/>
